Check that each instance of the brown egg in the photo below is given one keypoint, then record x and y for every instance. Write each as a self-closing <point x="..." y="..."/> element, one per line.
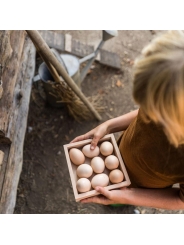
<point x="100" y="180"/>
<point x="90" y="153"/>
<point x="111" y="162"/>
<point x="76" y="156"/>
<point x="116" y="176"/>
<point x="84" y="171"/>
<point x="106" y="148"/>
<point x="97" y="164"/>
<point x="83" y="185"/>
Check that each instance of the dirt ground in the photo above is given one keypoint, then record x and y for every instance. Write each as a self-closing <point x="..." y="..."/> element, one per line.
<point x="44" y="186"/>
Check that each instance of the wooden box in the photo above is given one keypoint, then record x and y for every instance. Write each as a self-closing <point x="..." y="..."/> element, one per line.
<point x="72" y="167"/>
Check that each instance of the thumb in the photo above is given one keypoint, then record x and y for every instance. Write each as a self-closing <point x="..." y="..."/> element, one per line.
<point x="94" y="142"/>
<point x="103" y="191"/>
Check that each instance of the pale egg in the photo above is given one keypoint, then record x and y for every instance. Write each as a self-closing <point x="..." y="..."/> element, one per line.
<point x="84" y="171"/>
<point x="90" y="153"/>
<point x="100" y="180"/>
<point x="111" y="162"/>
<point x="116" y="176"/>
<point x="83" y="185"/>
<point x="97" y="164"/>
<point x="76" y="156"/>
<point x="106" y="148"/>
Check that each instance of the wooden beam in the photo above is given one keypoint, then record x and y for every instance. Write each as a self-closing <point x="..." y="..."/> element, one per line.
<point x="9" y="79"/>
<point x="5" y="149"/>
<point x="21" y="98"/>
<point x="1" y="158"/>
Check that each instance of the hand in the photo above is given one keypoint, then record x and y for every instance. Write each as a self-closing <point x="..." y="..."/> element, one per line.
<point x="95" y="134"/>
<point x="108" y="197"/>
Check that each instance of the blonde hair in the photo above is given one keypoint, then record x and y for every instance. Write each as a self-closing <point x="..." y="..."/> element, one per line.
<point x="158" y="83"/>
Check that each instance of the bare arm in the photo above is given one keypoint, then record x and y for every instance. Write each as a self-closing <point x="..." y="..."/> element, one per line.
<point x="155" y="198"/>
<point x="121" y="123"/>
<point x="110" y="126"/>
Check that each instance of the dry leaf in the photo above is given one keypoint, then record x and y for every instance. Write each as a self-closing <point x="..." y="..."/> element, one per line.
<point x="119" y="84"/>
<point x="101" y="91"/>
<point x="71" y="131"/>
<point x="67" y="138"/>
<point x="131" y="62"/>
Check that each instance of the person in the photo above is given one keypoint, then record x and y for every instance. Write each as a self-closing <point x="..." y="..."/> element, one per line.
<point x="152" y="140"/>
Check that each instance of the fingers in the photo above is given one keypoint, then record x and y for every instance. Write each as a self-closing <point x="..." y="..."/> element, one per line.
<point x="80" y="138"/>
<point x="94" y="141"/>
<point x="105" y="199"/>
<point x="104" y="191"/>
<point x="97" y="199"/>
<point x="89" y="135"/>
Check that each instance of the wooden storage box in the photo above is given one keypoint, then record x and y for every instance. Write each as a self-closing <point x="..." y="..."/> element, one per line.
<point x="72" y="167"/>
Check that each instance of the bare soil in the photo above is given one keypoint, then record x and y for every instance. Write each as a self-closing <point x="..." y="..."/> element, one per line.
<point x="45" y="186"/>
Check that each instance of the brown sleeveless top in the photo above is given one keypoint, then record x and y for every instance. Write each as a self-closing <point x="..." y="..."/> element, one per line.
<point x="151" y="161"/>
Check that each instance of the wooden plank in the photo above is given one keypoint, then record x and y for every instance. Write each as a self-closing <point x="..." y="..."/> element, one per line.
<point x="9" y="77"/>
<point x="65" y="43"/>
<point x="5" y="149"/>
<point x="21" y="107"/>
<point x="1" y="158"/>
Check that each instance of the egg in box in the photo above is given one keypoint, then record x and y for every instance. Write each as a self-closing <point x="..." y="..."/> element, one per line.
<point x="90" y="168"/>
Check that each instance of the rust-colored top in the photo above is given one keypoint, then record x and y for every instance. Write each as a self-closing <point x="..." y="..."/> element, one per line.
<point x="151" y="161"/>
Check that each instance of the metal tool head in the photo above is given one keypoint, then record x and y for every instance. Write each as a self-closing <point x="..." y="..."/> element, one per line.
<point x="109" y="34"/>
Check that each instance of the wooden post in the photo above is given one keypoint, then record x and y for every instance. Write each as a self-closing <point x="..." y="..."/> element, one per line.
<point x="1" y="158"/>
<point x="9" y="77"/>
<point x="13" y="153"/>
<point x="44" y="48"/>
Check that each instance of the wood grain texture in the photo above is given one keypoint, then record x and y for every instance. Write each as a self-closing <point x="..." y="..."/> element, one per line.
<point x="9" y="78"/>
<point x="18" y="123"/>
<point x="1" y="158"/>
<point x="5" y="149"/>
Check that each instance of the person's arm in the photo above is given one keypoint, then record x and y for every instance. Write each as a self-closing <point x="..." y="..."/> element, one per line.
<point x="121" y="123"/>
<point x="110" y="126"/>
<point x="155" y="198"/>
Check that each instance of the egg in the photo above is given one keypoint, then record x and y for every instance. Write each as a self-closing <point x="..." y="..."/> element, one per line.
<point x="111" y="162"/>
<point x="84" y="171"/>
<point x="83" y="185"/>
<point x="97" y="164"/>
<point x="90" y="153"/>
<point x="116" y="176"/>
<point x="106" y="148"/>
<point x="100" y="180"/>
<point x="76" y="156"/>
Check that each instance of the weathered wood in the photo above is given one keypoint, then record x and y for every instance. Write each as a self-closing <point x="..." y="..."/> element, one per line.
<point x="21" y="98"/>
<point x="1" y="158"/>
<point x="44" y="49"/>
<point x="9" y="77"/>
<point x="5" y="148"/>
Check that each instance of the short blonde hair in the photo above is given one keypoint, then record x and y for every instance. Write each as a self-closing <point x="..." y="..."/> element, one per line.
<point x="158" y="83"/>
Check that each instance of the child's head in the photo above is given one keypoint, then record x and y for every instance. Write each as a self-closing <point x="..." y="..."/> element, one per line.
<point x="158" y="85"/>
